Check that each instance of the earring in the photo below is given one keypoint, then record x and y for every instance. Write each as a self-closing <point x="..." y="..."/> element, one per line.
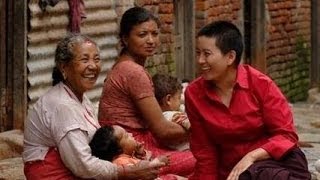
<point x="64" y="75"/>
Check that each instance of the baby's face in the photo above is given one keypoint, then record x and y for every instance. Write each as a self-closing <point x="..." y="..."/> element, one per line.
<point x="126" y="140"/>
<point x="175" y="101"/>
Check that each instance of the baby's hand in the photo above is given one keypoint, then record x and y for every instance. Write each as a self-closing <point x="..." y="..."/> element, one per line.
<point x="140" y="152"/>
<point x="161" y="159"/>
<point x="179" y="117"/>
<point x="182" y="120"/>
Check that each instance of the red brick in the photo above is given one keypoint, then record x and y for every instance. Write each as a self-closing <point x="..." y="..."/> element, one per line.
<point x="166" y="28"/>
<point x="166" y="18"/>
<point x="202" y="5"/>
<point x="166" y="8"/>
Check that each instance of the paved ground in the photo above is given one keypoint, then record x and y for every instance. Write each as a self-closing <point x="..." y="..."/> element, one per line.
<point x="307" y="120"/>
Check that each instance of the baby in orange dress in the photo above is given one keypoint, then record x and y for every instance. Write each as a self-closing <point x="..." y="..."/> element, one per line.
<point x="113" y="143"/>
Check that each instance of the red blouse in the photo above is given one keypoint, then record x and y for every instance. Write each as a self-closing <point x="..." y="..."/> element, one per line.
<point x="125" y="84"/>
<point x="258" y="117"/>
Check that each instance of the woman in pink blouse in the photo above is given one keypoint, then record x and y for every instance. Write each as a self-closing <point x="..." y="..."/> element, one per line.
<point x="128" y="98"/>
<point x="242" y="126"/>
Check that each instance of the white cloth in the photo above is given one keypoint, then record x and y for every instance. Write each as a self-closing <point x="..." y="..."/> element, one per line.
<point x="183" y="145"/>
<point x="59" y="119"/>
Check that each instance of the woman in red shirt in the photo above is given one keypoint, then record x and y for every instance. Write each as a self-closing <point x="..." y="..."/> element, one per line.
<point x="242" y="126"/>
<point x="128" y="98"/>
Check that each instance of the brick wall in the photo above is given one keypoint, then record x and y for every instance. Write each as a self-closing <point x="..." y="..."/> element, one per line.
<point x="288" y="46"/>
<point x="212" y="10"/>
<point x="288" y="43"/>
<point x="288" y="31"/>
<point x="162" y="61"/>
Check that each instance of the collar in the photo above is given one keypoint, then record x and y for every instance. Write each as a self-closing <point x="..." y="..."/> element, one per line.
<point x="242" y="77"/>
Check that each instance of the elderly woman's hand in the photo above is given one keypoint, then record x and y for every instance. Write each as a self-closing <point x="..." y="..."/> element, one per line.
<point x="142" y="170"/>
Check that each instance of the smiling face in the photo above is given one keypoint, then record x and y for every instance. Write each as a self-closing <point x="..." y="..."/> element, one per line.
<point x="83" y="70"/>
<point x="213" y="64"/>
<point x="126" y="141"/>
<point x="143" y="39"/>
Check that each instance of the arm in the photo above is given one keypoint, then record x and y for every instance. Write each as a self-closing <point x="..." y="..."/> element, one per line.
<point x="278" y="120"/>
<point x="76" y="155"/>
<point x="202" y="148"/>
<point x="165" y="131"/>
<point x="247" y="161"/>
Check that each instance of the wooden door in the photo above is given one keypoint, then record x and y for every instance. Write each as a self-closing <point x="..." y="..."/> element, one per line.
<point x="184" y="35"/>
<point x="12" y="64"/>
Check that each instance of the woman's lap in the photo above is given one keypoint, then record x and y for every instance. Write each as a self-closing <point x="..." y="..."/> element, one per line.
<point x="292" y="167"/>
<point x="51" y="167"/>
<point x="181" y="162"/>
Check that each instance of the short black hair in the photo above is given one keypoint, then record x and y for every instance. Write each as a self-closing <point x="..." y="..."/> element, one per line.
<point x="165" y="84"/>
<point x="104" y="144"/>
<point x="228" y="37"/>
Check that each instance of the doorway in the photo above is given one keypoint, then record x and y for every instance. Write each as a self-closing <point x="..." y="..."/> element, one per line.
<point x="12" y="64"/>
<point x="184" y="35"/>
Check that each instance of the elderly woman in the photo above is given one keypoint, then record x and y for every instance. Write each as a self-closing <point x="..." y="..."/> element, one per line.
<point x="62" y="122"/>
<point x="128" y="98"/>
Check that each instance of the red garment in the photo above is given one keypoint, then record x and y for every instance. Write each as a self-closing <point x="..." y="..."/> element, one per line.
<point x="51" y="167"/>
<point x="258" y="117"/>
<point x="76" y="14"/>
<point x="126" y="83"/>
<point x="181" y="162"/>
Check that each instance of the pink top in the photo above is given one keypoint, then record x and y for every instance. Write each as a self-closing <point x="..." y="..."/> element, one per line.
<point x="258" y="117"/>
<point x="126" y="83"/>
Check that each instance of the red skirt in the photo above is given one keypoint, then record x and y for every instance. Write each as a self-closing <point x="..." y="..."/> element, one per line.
<point x="181" y="162"/>
<point x="50" y="168"/>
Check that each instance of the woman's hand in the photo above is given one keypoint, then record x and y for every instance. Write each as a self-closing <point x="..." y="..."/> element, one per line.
<point x="142" y="170"/>
<point x="240" y="167"/>
<point x="246" y="161"/>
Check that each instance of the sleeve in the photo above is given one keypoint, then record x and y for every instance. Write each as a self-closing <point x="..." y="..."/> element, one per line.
<point x="278" y="120"/>
<point x="76" y="155"/>
<point x="201" y="147"/>
<point x="139" y="83"/>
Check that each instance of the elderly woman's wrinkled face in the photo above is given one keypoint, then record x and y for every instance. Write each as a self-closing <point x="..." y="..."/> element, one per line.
<point x="143" y="39"/>
<point x="82" y="71"/>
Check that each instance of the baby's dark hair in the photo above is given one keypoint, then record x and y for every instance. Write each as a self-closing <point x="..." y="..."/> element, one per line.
<point x="165" y="84"/>
<point x="104" y="144"/>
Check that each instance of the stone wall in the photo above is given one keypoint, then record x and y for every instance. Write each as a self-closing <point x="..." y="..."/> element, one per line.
<point x="288" y="46"/>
